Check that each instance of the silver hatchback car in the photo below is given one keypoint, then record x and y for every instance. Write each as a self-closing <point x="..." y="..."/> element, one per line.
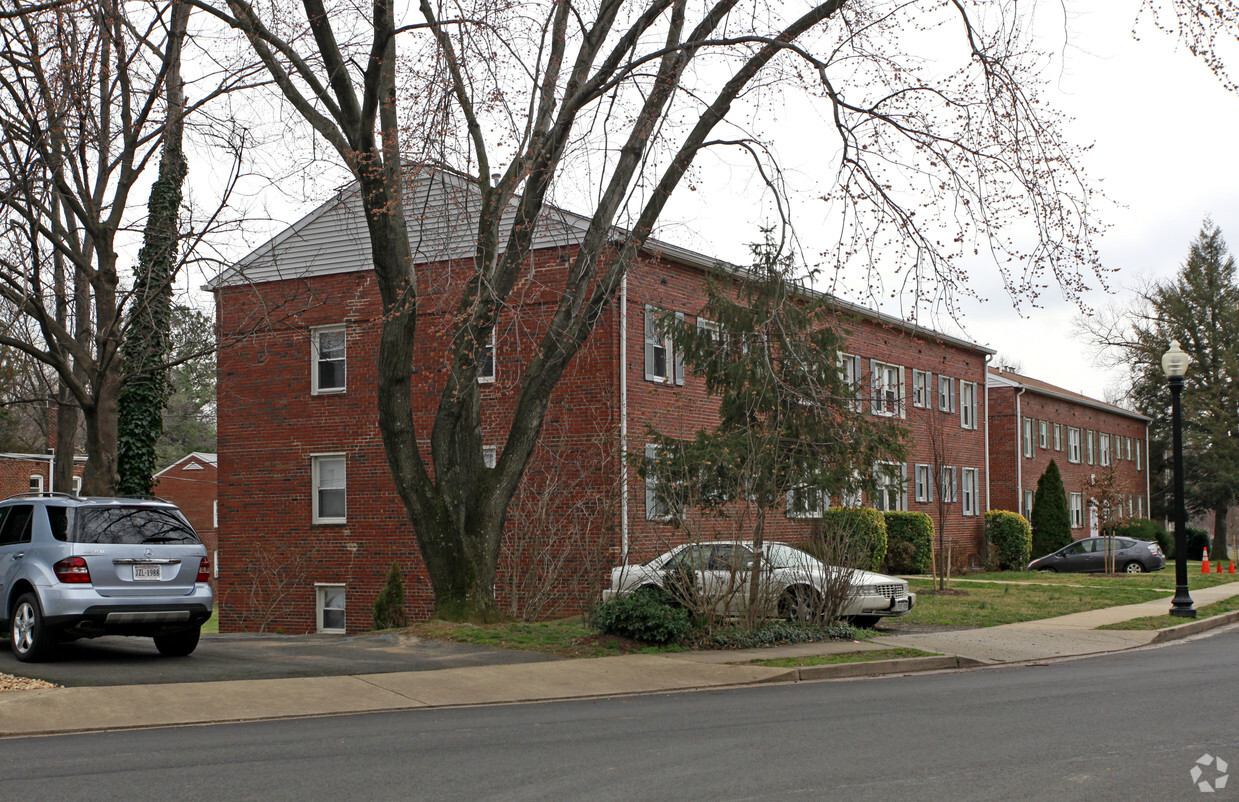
<point x="83" y="567"/>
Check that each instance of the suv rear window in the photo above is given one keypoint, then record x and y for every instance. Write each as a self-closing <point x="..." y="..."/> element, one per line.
<point x="125" y="525"/>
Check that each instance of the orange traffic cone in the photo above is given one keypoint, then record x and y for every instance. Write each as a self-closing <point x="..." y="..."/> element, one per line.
<point x="1204" y="566"/>
<point x="1232" y="567"/>
<point x="1219" y="568"/>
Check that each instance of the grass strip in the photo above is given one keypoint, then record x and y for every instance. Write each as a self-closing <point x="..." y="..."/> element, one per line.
<point x="975" y="604"/>
<point x="1158" y="580"/>
<point x="1164" y="621"/>
<point x="844" y="657"/>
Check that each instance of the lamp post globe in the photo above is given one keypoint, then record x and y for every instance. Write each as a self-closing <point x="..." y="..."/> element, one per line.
<point x="1174" y="365"/>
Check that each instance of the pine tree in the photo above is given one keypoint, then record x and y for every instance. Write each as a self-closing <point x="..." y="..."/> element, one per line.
<point x="389" y="606"/>
<point x="1051" y="522"/>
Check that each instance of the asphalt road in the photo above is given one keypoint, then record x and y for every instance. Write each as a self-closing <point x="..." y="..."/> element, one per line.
<point x="1126" y="726"/>
<point x="135" y="661"/>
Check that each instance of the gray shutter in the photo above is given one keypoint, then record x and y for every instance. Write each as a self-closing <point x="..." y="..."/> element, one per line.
<point x="874" y="405"/>
<point x="678" y="362"/>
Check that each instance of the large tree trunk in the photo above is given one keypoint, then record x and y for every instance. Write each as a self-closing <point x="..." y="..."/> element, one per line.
<point x="1218" y="550"/>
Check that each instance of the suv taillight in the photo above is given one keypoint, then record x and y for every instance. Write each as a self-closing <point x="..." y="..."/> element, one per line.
<point x="204" y="571"/>
<point x="72" y="571"/>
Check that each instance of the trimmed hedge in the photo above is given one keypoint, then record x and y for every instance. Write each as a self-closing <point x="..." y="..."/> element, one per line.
<point x="1011" y="537"/>
<point x="645" y="615"/>
<point x="909" y="543"/>
<point x="855" y="536"/>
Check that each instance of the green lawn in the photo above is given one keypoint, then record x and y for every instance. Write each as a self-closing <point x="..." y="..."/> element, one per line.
<point x="1163" y="621"/>
<point x="990" y="603"/>
<point x="1163" y="579"/>
<point x="846" y="657"/>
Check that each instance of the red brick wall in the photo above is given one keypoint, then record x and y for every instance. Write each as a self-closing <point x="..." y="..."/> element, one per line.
<point x="1014" y="473"/>
<point x="15" y="475"/>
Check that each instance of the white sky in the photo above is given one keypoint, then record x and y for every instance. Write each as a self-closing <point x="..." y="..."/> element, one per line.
<point x="1163" y="132"/>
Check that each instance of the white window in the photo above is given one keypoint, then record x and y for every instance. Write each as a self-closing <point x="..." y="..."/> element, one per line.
<point x="1073" y="444"/>
<point x="486" y="371"/>
<point x="327" y="369"/>
<point x="851" y="497"/>
<point x="1028" y="502"/>
<point x="968" y="491"/>
<point x="1058" y="437"/>
<point x="215" y="563"/>
<point x="1077" y="510"/>
<point x="889" y="486"/>
<point x="215" y="514"/>
<point x="806" y="502"/>
<point x="948" y="484"/>
<point x="1043" y="434"/>
<point x="662" y="364"/>
<point x="330" y="607"/>
<point x="1139" y="506"/>
<point x="1090" y="438"/>
<point x="36" y="483"/>
<point x="657" y="508"/>
<point x="329" y="488"/>
<point x="849" y="368"/>
<point x="490" y="456"/>
<point x="1137" y="455"/>
<point x="946" y="394"/>
<point x="920" y="388"/>
<point x="77" y="485"/>
<point x="1128" y="439"/>
<point x="1103" y="440"/>
<point x="924" y="483"/>
<point x="1030" y="448"/>
<point x="888" y="392"/>
<point x="968" y="405"/>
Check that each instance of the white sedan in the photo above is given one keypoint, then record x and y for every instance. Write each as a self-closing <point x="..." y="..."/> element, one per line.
<point x="795" y="584"/>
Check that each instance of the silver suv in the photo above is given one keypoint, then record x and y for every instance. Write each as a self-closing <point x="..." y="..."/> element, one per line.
<point x="83" y="567"/>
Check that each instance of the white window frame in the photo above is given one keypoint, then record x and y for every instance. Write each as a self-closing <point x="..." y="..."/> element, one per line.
<point x="1139" y="506"/>
<point x="888" y="393"/>
<point x="1030" y="446"/>
<point x="215" y="513"/>
<point x="806" y="501"/>
<point x="970" y="486"/>
<point x="489" y="352"/>
<point x="1129" y="440"/>
<point x="1090" y="446"/>
<point x="315" y="333"/>
<point x="316" y="462"/>
<point x="924" y="483"/>
<point x="1029" y="498"/>
<point x="77" y="485"/>
<point x="655" y="510"/>
<point x="655" y="338"/>
<point x="885" y="476"/>
<point x="320" y="605"/>
<point x="1073" y="445"/>
<point x="1043" y="434"/>
<point x="946" y="393"/>
<point x="922" y="382"/>
<point x="849" y="369"/>
<point x="490" y="456"/>
<point x="967" y="405"/>
<point x="946" y="483"/>
<point x="1138" y="455"/>
<point x="1058" y="437"/>
<point x="36" y="483"/>
<point x="1103" y="447"/>
<point x="1076" y="505"/>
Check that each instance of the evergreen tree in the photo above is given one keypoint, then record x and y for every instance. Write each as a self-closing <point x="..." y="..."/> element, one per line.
<point x="389" y="606"/>
<point x="1050" y="519"/>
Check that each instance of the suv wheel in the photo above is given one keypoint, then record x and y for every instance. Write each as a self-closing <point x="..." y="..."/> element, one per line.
<point x="178" y="644"/>
<point x="30" y="637"/>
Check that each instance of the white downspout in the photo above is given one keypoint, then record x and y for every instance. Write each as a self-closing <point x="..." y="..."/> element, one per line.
<point x="623" y="422"/>
<point x="1148" y="489"/>
<point x="988" y="357"/>
<point x="51" y="470"/>
<point x="1019" y="455"/>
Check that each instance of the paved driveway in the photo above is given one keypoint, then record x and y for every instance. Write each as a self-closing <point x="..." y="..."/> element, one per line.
<point x="135" y="661"/>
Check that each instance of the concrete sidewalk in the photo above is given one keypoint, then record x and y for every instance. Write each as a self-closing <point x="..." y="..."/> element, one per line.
<point x="64" y="710"/>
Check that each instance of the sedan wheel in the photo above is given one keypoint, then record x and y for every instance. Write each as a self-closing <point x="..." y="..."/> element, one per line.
<point x="800" y="604"/>
<point x="30" y="638"/>
<point x="1134" y="568"/>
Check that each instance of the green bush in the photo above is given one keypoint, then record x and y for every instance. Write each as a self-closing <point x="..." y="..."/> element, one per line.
<point x="389" y="606"/>
<point x="909" y="543"/>
<point x="1197" y="541"/>
<point x="1144" y="529"/>
<point x="646" y="615"/>
<point x="854" y="537"/>
<point x="773" y="633"/>
<point x="1011" y="538"/>
<point x="1050" y="518"/>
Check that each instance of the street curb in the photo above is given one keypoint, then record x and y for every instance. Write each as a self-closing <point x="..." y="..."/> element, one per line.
<point x="876" y="668"/>
<point x="1194" y="627"/>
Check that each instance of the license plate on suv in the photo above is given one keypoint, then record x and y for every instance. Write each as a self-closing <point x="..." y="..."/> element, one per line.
<point x="146" y="573"/>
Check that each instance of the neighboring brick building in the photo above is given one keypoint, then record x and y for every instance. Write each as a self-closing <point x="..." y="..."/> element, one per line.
<point x="190" y="483"/>
<point x="25" y="473"/>
<point x="1102" y="450"/>
<point x="309" y="521"/>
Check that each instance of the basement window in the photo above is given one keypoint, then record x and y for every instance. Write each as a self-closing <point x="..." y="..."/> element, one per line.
<point x="330" y="604"/>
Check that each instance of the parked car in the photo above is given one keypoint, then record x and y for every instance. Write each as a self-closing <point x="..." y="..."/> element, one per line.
<point x="795" y="582"/>
<point x="1130" y="555"/>
<point x="83" y="567"/>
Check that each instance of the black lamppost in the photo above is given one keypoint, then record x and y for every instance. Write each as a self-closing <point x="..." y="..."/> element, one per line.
<point x="1174" y="365"/>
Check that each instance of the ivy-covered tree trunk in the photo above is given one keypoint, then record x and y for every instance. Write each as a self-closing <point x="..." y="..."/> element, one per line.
<point x="148" y="327"/>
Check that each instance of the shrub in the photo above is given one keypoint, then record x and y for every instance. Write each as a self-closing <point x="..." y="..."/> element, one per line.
<point x="1050" y="519"/>
<point x="909" y="542"/>
<point x="646" y="615"/>
<point x="389" y="606"/>
<point x="1144" y="529"/>
<point x="1197" y="542"/>
<point x="1011" y="538"/>
<point x="773" y="633"/>
<point x="854" y="537"/>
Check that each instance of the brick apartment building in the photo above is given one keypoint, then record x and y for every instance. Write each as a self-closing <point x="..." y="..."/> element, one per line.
<point x="32" y="473"/>
<point x="1100" y="449"/>
<point x="309" y="521"/>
